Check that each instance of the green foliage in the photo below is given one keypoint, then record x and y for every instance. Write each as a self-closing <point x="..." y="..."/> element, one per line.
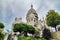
<point x="53" y="18"/>
<point x="21" y="27"/>
<point x="17" y="27"/>
<point x="1" y="35"/>
<point x="1" y="31"/>
<point x="28" y="38"/>
<point x="31" y="29"/>
<point x="58" y="28"/>
<point x="1" y="25"/>
<point x="46" y="34"/>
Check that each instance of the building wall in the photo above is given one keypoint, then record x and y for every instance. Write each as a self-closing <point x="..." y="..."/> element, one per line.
<point x="56" y="35"/>
<point x="32" y="17"/>
<point x="18" y="20"/>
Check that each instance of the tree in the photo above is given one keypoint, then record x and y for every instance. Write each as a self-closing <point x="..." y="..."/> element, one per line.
<point x="31" y="29"/>
<point x="1" y="25"/>
<point x="53" y="19"/>
<point x="1" y="31"/>
<point x="21" y="27"/>
<point x="1" y="35"/>
<point x="46" y="34"/>
<point x="17" y="27"/>
<point x="58" y="28"/>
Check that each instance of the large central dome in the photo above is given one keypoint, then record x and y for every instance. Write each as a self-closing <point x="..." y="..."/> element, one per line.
<point x="32" y="10"/>
<point x="32" y="17"/>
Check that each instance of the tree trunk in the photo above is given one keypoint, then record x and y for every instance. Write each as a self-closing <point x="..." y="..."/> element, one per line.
<point x="55" y="28"/>
<point x="25" y="33"/>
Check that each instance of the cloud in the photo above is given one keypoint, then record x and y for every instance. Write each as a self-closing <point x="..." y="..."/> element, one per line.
<point x="45" y="6"/>
<point x="9" y="9"/>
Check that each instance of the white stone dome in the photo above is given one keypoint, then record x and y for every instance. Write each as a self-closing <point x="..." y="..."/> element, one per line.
<point x="32" y="17"/>
<point x="32" y="10"/>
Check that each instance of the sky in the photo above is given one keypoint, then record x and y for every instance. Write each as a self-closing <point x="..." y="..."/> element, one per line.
<point x="10" y="9"/>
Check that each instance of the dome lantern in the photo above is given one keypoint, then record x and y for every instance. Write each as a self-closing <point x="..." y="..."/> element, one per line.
<point x="31" y="6"/>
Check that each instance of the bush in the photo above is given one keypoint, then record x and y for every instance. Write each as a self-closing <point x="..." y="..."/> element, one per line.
<point x="22" y="27"/>
<point x="46" y="34"/>
<point x="59" y="29"/>
<point x="1" y="25"/>
<point x="28" y="38"/>
<point x="1" y="35"/>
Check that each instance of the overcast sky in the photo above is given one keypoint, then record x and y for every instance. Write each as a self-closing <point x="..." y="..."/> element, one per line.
<point x="9" y="9"/>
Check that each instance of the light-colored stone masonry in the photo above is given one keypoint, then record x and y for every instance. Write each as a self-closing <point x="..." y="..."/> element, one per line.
<point x="56" y="35"/>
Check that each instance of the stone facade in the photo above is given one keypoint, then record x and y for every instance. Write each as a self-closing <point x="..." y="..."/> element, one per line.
<point x="56" y="35"/>
<point x="32" y="17"/>
<point x="18" y="20"/>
